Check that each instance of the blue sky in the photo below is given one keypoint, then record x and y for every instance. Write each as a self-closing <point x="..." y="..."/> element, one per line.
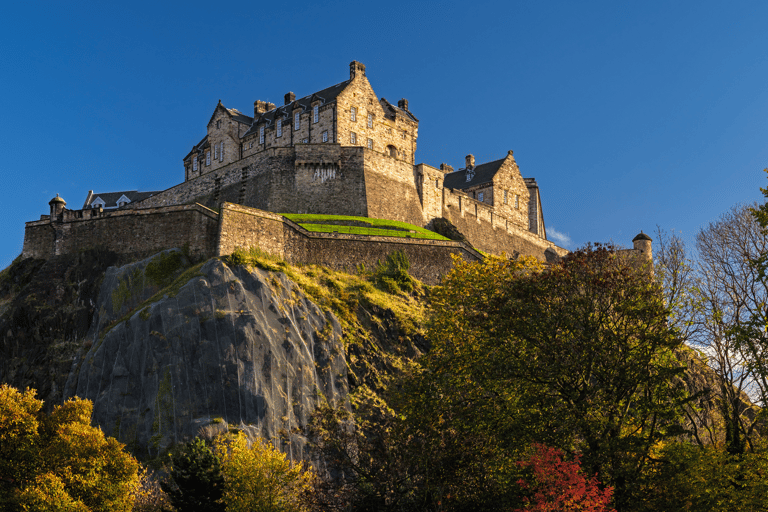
<point x="629" y="114"/>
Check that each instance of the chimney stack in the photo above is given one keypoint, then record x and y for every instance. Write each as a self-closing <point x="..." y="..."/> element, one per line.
<point x="403" y="104"/>
<point x="289" y="98"/>
<point x="259" y="107"/>
<point x="446" y="168"/>
<point x="470" y="161"/>
<point x="355" y="68"/>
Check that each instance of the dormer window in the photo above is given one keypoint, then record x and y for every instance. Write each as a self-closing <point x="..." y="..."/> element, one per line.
<point x="315" y="113"/>
<point x="261" y="134"/>
<point x="479" y="196"/>
<point x="353" y="114"/>
<point x="470" y="174"/>
<point x="296" y="120"/>
<point x="279" y="127"/>
<point x="370" y="120"/>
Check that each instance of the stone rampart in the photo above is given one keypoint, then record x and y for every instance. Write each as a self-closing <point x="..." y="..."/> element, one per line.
<point x="125" y="231"/>
<point x="491" y="232"/>
<point x="243" y="226"/>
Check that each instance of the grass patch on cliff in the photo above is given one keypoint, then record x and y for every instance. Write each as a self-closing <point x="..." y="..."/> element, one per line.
<point x="388" y="287"/>
<point x="360" y="226"/>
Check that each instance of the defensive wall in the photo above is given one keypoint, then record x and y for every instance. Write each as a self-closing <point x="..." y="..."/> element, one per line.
<point x="131" y="232"/>
<point x="307" y="178"/>
<point x="491" y="232"/>
<point x="207" y="233"/>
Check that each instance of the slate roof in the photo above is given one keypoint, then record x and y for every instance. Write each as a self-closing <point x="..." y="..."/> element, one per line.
<point x="239" y="116"/>
<point x="398" y="109"/>
<point x="110" y="198"/>
<point x="285" y="111"/>
<point x="199" y="147"/>
<point x="484" y="173"/>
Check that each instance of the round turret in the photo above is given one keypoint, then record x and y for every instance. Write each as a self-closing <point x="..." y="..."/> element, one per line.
<point x="57" y="205"/>
<point x="643" y="243"/>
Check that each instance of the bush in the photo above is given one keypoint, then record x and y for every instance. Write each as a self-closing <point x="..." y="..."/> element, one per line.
<point x="196" y="481"/>
<point x="392" y="275"/>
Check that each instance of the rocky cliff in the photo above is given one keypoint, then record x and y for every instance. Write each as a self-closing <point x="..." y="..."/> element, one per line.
<point x="166" y="349"/>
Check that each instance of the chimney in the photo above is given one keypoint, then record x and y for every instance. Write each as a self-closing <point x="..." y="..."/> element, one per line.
<point x="355" y="68"/>
<point x="270" y="106"/>
<point x="290" y="97"/>
<point x="446" y="168"/>
<point x="259" y="107"/>
<point x="470" y="161"/>
<point x="403" y="104"/>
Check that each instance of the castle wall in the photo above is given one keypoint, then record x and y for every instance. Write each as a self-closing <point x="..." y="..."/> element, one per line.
<point x="390" y="188"/>
<point x="248" y="227"/>
<point x="430" y="188"/>
<point x="124" y="231"/>
<point x="491" y="232"/>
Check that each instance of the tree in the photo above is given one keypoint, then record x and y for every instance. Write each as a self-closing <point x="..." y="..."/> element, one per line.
<point x="578" y="356"/>
<point x="554" y="484"/>
<point x="259" y="477"/>
<point x="196" y="482"/>
<point x="59" y="461"/>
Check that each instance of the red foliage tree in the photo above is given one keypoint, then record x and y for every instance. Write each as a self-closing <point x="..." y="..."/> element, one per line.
<point x="556" y="485"/>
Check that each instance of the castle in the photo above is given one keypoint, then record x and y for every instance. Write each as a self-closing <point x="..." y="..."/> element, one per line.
<point x="339" y="151"/>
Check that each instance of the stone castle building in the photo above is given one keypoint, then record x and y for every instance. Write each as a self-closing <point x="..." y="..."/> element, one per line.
<point x="340" y="151"/>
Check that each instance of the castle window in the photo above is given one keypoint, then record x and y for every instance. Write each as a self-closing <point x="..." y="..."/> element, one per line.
<point x="208" y="157"/>
<point x="218" y="123"/>
<point x="353" y="137"/>
<point x="194" y="163"/>
<point x="517" y="201"/>
<point x="221" y="152"/>
<point x="315" y="113"/>
<point x="392" y="151"/>
<point x="325" y="136"/>
<point x="437" y="183"/>
<point x="479" y="196"/>
<point x="261" y="134"/>
<point x="215" y="151"/>
<point x="370" y="120"/>
<point x="279" y="127"/>
<point x="296" y="121"/>
<point x="505" y="196"/>
<point x="250" y="145"/>
<point x="370" y="143"/>
<point x="353" y="114"/>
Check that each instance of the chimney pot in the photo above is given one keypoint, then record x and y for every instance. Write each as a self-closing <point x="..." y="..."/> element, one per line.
<point x="259" y="107"/>
<point x="403" y="104"/>
<point x="470" y="161"/>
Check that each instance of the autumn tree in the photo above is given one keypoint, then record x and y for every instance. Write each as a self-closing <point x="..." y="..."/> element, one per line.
<point x="257" y="476"/>
<point x="59" y="461"/>
<point x="577" y="356"/>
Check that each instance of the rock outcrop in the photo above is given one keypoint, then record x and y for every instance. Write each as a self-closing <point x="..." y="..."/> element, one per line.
<point x="232" y="345"/>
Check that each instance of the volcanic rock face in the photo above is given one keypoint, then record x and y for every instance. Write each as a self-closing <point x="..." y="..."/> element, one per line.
<point x="232" y="344"/>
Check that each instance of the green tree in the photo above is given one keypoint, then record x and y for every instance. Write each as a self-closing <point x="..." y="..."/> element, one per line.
<point x="578" y="356"/>
<point x="196" y="482"/>
<point x="59" y="461"/>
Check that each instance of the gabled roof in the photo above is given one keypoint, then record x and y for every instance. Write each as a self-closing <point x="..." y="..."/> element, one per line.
<point x="233" y="113"/>
<point x="284" y="111"/>
<point x="111" y="199"/>
<point x="199" y="147"/>
<point x="395" y="108"/>
<point x="484" y="173"/>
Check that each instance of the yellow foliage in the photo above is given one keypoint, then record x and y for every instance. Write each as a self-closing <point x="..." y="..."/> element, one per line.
<point x="61" y="462"/>
<point x="259" y="477"/>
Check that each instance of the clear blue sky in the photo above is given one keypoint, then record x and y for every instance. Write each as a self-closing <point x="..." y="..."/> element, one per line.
<point x="629" y="114"/>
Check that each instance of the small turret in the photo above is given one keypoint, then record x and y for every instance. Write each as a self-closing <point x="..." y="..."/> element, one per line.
<point x="57" y="205"/>
<point x="643" y="243"/>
